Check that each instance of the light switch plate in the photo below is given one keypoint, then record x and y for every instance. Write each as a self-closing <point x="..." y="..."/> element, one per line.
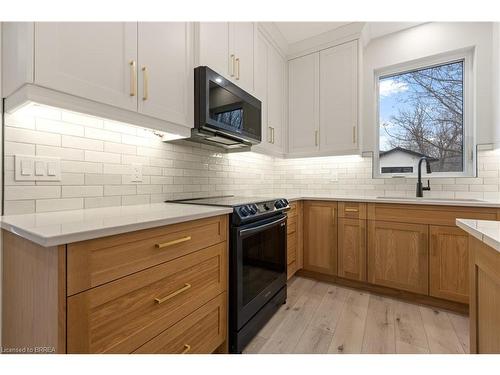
<point x="37" y="168"/>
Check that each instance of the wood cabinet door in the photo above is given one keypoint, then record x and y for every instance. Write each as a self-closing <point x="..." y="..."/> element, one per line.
<point x="352" y="249"/>
<point x="213" y="47"/>
<point x="92" y="60"/>
<point x="320" y="237"/>
<point x="241" y="45"/>
<point x="303" y="104"/>
<point x="165" y="68"/>
<point x="398" y="255"/>
<point x="339" y="98"/>
<point x="449" y="263"/>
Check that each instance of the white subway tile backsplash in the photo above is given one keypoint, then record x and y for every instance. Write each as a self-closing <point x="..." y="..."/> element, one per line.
<point x="31" y="192"/>
<point x="95" y="202"/>
<point x="59" y="127"/>
<point x="103" y="135"/>
<point x="82" y="191"/>
<point x="32" y="136"/>
<point x="60" y="152"/>
<point x="48" y="205"/>
<point x="82" y="143"/>
<point x="97" y="157"/>
<point x="102" y="157"/>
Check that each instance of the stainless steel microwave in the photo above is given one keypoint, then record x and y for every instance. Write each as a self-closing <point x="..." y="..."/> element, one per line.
<point x="224" y="114"/>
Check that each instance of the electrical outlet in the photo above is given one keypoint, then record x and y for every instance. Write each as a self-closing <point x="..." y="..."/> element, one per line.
<point x="136" y="173"/>
<point x="334" y="177"/>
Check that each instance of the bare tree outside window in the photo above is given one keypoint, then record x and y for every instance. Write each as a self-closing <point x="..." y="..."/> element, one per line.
<point x="421" y="114"/>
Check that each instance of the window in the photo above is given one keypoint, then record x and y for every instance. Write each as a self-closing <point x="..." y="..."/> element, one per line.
<point x="422" y="112"/>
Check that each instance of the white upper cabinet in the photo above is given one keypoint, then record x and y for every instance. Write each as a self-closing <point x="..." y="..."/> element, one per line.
<point x="213" y="47"/>
<point x="275" y="97"/>
<point x="270" y="89"/>
<point x="92" y="60"/>
<point x="339" y="98"/>
<point x="165" y="71"/>
<point x="241" y="54"/>
<point x="261" y="83"/>
<point x="303" y="104"/>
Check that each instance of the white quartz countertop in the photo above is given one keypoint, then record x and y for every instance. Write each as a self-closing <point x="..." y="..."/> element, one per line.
<point x="487" y="231"/>
<point x="57" y="228"/>
<point x="398" y="200"/>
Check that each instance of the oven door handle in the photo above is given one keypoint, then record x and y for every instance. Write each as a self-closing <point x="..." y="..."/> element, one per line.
<point x="249" y="231"/>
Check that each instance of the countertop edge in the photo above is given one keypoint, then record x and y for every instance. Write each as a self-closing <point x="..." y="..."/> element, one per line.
<point x="465" y="225"/>
<point x="85" y="235"/>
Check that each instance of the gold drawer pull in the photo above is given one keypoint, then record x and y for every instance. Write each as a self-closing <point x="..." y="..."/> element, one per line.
<point x="351" y="210"/>
<point x="172" y="295"/>
<point x="174" y="242"/>
<point x="187" y="348"/>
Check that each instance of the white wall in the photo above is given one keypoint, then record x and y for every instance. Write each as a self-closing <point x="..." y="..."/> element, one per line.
<point x="423" y="41"/>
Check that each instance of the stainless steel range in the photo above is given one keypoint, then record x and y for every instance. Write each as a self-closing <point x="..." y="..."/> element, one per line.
<point x="257" y="262"/>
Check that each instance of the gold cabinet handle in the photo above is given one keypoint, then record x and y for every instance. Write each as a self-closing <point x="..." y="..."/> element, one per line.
<point x="133" y="78"/>
<point x="333" y="215"/>
<point x="316" y="141"/>
<point x="237" y="68"/>
<point x="272" y="134"/>
<point x="145" y="74"/>
<point x="174" y="242"/>
<point x="354" y="135"/>
<point x="269" y="134"/>
<point x="187" y="348"/>
<point x="172" y="295"/>
<point x="351" y="209"/>
<point x="231" y="73"/>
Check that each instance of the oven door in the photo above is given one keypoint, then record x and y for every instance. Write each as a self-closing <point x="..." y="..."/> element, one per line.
<point x="258" y="266"/>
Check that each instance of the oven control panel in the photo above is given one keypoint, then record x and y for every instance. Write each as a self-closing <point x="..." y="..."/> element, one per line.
<point x="256" y="210"/>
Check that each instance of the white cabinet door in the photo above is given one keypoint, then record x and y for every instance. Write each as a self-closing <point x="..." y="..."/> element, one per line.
<point x="339" y="98"/>
<point x="92" y="60"/>
<point x="261" y="85"/>
<point x="276" y="94"/>
<point x="241" y="45"/>
<point x="213" y="47"/>
<point x="165" y="82"/>
<point x="303" y="104"/>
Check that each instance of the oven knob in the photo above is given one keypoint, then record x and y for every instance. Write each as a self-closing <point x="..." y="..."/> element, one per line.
<point x="244" y="211"/>
<point x="253" y="209"/>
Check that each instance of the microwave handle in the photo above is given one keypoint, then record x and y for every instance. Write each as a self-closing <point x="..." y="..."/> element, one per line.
<point x="249" y="231"/>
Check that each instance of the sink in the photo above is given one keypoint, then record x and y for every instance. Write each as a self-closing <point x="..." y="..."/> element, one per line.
<point x="434" y="199"/>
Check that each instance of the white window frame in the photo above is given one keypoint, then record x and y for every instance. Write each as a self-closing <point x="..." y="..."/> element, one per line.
<point x="469" y="135"/>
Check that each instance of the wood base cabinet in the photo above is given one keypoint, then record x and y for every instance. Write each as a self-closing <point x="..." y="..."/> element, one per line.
<point x="352" y="249"/>
<point x="158" y="290"/>
<point x="485" y="298"/>
<point x="449" y="264"/>
<point x="398" y="255"/>
<point x="294" y="239"/>
<point x="320" y="237"/>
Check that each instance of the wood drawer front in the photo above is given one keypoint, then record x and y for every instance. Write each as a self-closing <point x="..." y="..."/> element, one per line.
<point x="95" y="262"/>
<point x="434" y="215"/>
<point x="291" y="225"/>
<point x="122" y="315"/>
<point x="352" y="210"/>
<point x="291" y="248"/>
<point x="201" y="332"/>
<point x="398" y="256"/>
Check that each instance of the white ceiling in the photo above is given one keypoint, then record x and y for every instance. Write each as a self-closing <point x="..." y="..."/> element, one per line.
<point x="297" y="31"/>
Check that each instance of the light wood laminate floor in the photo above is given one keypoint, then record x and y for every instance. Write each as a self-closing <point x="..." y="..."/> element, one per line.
<point x="324" y="318"/>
